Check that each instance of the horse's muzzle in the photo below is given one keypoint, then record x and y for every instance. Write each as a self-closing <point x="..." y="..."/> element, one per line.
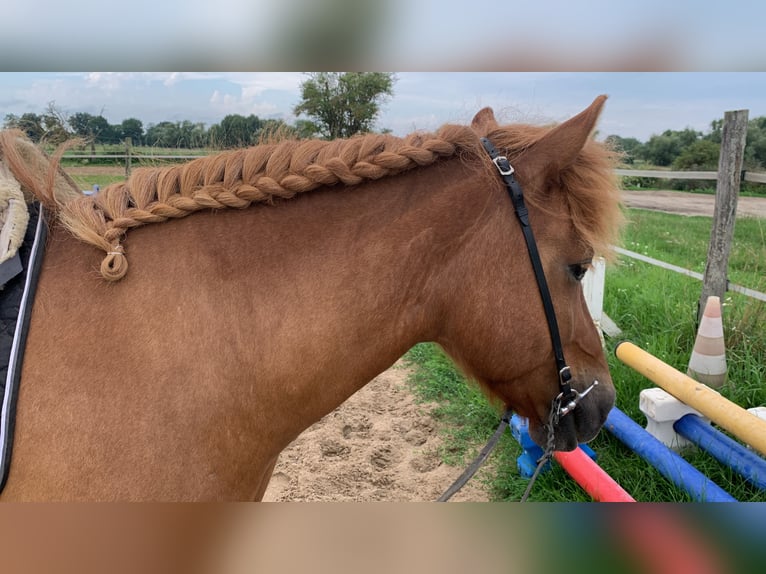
<point x="582" y="423"/>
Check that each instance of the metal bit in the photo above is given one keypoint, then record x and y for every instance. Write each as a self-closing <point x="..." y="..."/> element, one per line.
<point x="573" y="403"/>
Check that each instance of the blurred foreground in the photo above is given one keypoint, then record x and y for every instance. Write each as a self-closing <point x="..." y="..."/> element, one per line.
<point x="382" y="537"/>
<point x="353" y="34"/>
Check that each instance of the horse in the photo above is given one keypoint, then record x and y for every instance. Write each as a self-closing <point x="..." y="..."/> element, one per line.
<point x="268" y="284"/>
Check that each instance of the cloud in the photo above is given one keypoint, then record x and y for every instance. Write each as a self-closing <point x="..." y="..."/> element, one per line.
<point x="253" y="84"/>
<point x="225" y="104"/>
<point x="112" y="81"/>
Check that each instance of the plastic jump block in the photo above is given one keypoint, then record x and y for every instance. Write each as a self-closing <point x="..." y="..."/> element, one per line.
<point x="668" y="463"/>
<point x="662" y="410"/>
<point x="531" y="451"/>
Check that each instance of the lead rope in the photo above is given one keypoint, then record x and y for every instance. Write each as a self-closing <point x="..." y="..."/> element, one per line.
<point x="478" y="461"/>
<point x="556" y="412"/>
<point x="553" y="419"/>
<point x="489" y="447"/>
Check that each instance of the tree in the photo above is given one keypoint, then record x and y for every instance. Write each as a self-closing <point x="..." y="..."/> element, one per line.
<point x="631" y="147"/>
<point x="701" y="155"/>
<point x="664" y="149"/>
<point x="94" y="129"/>
<point x="238" y="131"/>
<point x="306" y="129"/>
<point x="164" y="134"/>
<point x="344" y="104"/>
<point x="716" y="127"/>
<point x="275" y="129"/>
<point x="190" y="134"/>
<point x="755" y="148"/>
<point x="133" y="129"/>
<point x="661" y="150"/>
<point x="55" y="123"/>
<point x="80" y="122"/>
<point x="31" y="124"/>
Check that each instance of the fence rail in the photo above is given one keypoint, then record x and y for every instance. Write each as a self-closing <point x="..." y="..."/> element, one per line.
<point x="669" y="266"/>
<point x="662" y="174"/>
<point x="133" y="156"/>
<point x="754" y="177"/>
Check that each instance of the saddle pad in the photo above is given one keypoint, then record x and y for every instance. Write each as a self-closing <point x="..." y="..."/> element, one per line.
<point x="16" y="300"/>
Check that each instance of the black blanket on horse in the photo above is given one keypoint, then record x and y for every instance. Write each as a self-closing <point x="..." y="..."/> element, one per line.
<point x="16" y="300"/>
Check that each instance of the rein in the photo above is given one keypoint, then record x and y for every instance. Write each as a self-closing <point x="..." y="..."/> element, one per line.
<point x="567" y="399"/>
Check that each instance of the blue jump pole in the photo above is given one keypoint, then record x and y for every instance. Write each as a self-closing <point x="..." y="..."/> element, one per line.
<point x="724" y="449"/>
<point x="670" y="465"/>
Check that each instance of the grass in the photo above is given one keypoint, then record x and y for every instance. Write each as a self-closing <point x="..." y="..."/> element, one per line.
<point x="87" y="181"/>
<point x="683" y="241"/>
<point x="656" y="309"/>
<point x="120" y="149"/>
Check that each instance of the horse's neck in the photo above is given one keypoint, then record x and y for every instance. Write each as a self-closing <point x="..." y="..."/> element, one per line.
<point x="328" y="289"/>
<point x="372" y="270"/>
<point x="406" y="235"/>
<point x="253" y="324"/>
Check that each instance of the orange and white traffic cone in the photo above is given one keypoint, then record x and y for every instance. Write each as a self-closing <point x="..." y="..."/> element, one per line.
<point x="708" y="361"/>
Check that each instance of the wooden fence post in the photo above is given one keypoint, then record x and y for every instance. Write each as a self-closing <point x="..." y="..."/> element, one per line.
<point x="727" y="192"/>
<point x="128" y="148"/>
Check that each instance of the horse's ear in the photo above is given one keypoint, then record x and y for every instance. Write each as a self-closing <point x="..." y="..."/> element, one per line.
<point x="484" y="122"/>
<point x="559" y="148"/>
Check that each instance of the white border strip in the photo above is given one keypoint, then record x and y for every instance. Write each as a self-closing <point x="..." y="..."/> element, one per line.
<point x="4" y="414"/>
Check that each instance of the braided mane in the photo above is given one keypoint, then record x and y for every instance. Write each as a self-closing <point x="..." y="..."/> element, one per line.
<point x="239" y="178"/>
<point x="270" y="171"/>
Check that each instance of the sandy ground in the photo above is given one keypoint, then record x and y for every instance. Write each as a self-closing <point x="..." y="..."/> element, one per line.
<point x="380" y="445"/>
<point x="690" y="203"/>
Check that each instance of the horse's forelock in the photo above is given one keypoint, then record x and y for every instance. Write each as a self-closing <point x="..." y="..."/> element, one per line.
<point x="594" y="197"/>
<point x="592" y="192"/>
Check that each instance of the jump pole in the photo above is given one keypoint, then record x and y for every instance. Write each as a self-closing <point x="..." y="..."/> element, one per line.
<point x="726" y="414"/>
<point x="668" y="463"/>
<point x="578" y="464"/>
<point x="727" y="451"/>
<point x="591" y="477"/>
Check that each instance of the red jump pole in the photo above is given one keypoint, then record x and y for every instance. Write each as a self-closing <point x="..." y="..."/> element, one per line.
<point x="591" y="477"/>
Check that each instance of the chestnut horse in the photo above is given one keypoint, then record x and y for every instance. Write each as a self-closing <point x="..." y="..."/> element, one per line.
<point x="233" y="330"/>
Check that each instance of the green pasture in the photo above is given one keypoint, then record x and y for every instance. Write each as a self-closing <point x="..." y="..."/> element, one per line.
<point x="87" y="181"/>
<point x="120" y="149"/>
<point x="656" y="309"/>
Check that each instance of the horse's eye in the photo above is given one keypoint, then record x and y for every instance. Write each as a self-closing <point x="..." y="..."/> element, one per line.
<point x="578" y="271"/>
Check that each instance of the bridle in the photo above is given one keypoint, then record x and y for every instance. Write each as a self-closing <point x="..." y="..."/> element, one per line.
<point x="567" y="399"/>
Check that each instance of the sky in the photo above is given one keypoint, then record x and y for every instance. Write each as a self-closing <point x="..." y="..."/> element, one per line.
<point x="639" y="105"/>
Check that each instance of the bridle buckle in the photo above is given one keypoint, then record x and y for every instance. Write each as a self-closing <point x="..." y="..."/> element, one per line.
<point x="503" y="165"/>
<point x="565" y="375"/>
